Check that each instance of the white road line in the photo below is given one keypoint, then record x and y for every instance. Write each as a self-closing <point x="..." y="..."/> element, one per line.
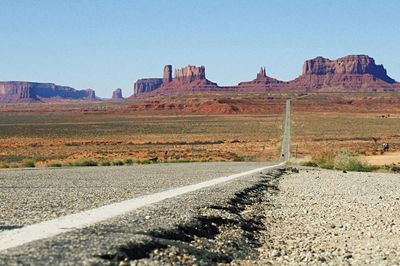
<point x="18" y="237"/>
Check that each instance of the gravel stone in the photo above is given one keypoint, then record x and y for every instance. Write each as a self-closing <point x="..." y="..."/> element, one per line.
<point x="338" y="218"/>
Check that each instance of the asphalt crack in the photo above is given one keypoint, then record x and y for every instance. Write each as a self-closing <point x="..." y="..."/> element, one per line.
<point x="221" y="233"/>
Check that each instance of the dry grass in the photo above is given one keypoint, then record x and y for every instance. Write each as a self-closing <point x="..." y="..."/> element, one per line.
<point x="242" y="127"/>
<point x="339" y="161"/>
<point x="345" y="123"/>
<point x="61" y="139"/>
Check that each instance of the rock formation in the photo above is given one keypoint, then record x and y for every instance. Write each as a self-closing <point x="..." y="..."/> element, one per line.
<point x="353" y="72"/>
<point x="190" y="73"/>
<point x="91" y="94"/>
<point x="167" y="77"/>
<point x="350" y="73"/>
<point x="147" y="85"/>
<point x="117" y="94"/>
<point x="262" y="73"/>
<point x="190" y="78"/>
<point x="352" y="64"/>
<point x="261" y="83"/>
<point x="20" y="91"/>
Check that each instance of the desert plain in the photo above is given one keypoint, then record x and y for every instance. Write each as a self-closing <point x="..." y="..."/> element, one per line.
<point x="199" y="127"/>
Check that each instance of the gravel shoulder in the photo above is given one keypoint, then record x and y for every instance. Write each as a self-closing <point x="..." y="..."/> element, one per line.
<point x="322" y="216"/>
<point x="30" y="196"/>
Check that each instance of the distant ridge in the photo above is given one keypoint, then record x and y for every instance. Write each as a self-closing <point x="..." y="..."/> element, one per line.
<point x="353" y="73"/>
<point x="349" y="73"/>
<point x="21" y="91"/>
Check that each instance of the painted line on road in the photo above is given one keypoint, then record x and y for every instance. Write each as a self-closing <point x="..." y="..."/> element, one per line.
<point x="46" y="229"/>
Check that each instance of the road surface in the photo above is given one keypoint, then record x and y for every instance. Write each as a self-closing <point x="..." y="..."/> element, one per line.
<point x="285" y="146"/>
<point x="31" y="196"/>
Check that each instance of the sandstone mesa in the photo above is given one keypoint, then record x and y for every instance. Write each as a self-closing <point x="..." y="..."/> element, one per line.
<point x="350" y="73"/>
<point x="20" y="91"/>
<point x="353" y="73"/>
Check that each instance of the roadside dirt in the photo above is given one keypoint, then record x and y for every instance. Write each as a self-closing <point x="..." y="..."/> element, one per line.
<point x="324" y="217"/>
<point x="384" y="159"/>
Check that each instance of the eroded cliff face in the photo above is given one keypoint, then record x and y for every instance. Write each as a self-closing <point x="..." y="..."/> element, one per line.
<point x="349" y="65"/>
<point x="167" y="77"/>
<point x="352" y="72"/>
<point x="186" y="79"/>
<point x="18" y="91"/>
<point x="349" y="73"/>
<point x="190" y="73"/>
<point x="117" y="94"/>
<point x="189" y="79"/>
<point x="146" y="85"/>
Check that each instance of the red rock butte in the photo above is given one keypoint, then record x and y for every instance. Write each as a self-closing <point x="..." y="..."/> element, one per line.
<point x="353" y="73"/>
<point x="117" y="94"/>
<point x="350" y="73"/>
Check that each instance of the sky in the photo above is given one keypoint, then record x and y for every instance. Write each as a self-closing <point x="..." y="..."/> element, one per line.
<point x="109" y="44"/>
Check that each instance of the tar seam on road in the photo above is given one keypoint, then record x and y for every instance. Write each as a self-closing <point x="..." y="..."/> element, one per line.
<point x="64" y="224"/>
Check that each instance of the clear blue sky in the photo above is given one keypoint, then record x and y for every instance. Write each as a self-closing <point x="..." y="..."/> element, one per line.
<point x="103" y="44"/>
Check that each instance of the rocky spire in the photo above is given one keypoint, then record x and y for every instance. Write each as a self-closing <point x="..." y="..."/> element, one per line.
<point x="261" y="73"/>
<point x="91" y="94"/>
<point x="167" y="77"/>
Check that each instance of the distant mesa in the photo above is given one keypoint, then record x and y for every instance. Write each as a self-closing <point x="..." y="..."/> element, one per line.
<point x="190" y="73"/>
<point x="20" y="91"/>
<point x="147" y="85"/>
<point x="117" y="94"/>
<point x="350" y="73"/>
<point x="353" y="72"/>
<point x="189" y="78"/>
<point x="349" y="65"/>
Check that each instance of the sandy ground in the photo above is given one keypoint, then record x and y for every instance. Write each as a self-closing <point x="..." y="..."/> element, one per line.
<point x="384" y="159"/>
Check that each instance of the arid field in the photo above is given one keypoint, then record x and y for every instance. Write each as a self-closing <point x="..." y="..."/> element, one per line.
<point x="111" y="133"/>
<point x="358" y="123"/>
<point x="205" y="127"/>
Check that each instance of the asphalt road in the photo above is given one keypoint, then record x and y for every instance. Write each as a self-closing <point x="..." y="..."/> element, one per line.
<point x="285" y="145"/>
<point x="97" y="244"/>
<point x="32" y="196"/>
